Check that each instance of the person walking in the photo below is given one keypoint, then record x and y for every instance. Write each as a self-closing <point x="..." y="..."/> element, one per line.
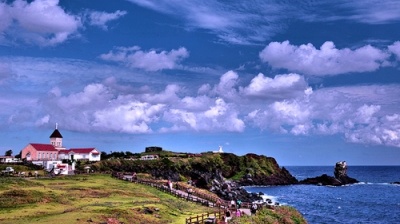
<point x="239" y="203"/>
<point x="238" y="213"/>
<point x="189" y="193"/>
<point x="253" y="208"/>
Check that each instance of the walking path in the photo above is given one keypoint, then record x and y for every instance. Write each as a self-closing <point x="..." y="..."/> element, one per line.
<point x="196" y="196"/>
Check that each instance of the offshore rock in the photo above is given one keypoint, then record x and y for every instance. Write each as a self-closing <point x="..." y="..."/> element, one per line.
<point x="341" y="173"/>
<point x="340" y="178"/>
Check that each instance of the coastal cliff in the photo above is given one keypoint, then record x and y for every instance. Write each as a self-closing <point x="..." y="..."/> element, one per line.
<point x="222" y="173"/>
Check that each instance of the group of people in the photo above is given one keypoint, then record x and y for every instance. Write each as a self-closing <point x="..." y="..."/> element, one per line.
<point x="234" y="210"/>
<point x="236" y="204"/>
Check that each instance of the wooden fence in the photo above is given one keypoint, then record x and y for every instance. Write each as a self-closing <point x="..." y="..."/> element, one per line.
<point x="205" y="218"/>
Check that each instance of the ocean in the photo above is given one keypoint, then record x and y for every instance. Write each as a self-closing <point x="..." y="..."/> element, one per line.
<point x="373" y="200"/>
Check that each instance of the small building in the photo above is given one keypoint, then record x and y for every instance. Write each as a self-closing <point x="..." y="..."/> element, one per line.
<point x="219" y="150"/>
<point x="89" y="154"/>
<point x="9" y="159"/>
<point x="153" y="149"/>
<point x="149" y="157"/>
<point x="58" y="167"/>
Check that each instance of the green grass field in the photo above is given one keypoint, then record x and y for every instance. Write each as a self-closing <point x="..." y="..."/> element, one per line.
<point x="88" y="199"/>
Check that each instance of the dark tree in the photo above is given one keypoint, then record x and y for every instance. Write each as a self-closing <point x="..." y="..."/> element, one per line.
<point x="104" y="156"/>
<point x="19" y="155"/>
<point x="9" y="152"/>
<point x="128" y="154"/>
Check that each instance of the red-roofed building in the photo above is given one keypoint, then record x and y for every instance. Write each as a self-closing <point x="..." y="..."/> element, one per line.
<point x="90" y="154"/>
<point x="55" y="151"/>
<point x="37" y="151"/>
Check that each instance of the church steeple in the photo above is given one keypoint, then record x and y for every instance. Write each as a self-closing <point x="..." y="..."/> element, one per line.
<point x="56" y="138"/>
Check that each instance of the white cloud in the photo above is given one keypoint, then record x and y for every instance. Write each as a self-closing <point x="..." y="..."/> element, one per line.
<point x="41" y="22"/>
<point x="101" y="19"/>
<point x="384" y="131"/>
<point x="219" y="116"/>
<point x="43" y="121"/>
<point x="395" y="49"/>
<point x="328" y="60"/>
<point x="365" y="113"/>
<point x="168" y="96"/>
<point x="93" y="95"/>
<point x="362" y="114"/>
<point x="284" y="86"/>
<point x="149" y="61"/>
<point x="132" y="117"/>
<point x="197" y="103"/>
<point x="227" y="84"/>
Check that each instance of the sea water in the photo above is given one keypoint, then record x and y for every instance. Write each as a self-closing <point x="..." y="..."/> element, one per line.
<point x="373" y="200"/>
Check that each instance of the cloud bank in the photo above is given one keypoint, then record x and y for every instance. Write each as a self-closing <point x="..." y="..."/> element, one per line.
<point x="284" y="103"/>
<point x="328" y="60"/>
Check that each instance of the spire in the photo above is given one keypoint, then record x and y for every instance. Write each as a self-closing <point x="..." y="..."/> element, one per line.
<point x="56" y="133"/>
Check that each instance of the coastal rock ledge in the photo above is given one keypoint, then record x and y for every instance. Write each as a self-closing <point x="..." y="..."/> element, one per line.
<point x="340" y="178"/>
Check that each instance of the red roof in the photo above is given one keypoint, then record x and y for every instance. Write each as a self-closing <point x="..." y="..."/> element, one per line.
<point x="63" y="151"/>
<point x="84" y="150"/>
<point x="43" y="147"/>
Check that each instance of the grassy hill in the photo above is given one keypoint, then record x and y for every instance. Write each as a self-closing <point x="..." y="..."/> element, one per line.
<point x="88" y="198"/>
<point x="98" y="198"/>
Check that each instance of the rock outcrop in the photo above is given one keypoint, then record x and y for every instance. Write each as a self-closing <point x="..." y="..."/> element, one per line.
<point x="340" y="178"/>
<point x="341" y="173"/>
<point x="231" y="190"/>
<point x="283" y="177"/>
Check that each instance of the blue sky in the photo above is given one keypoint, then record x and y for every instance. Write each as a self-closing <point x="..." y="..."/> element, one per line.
<point x="309" y="83"/>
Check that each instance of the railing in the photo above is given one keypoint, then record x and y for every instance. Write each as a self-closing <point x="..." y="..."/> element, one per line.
<point x="203" y="218"/>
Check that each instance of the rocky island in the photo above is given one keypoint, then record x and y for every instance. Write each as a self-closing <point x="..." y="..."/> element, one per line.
<point x="340" y="178"/>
